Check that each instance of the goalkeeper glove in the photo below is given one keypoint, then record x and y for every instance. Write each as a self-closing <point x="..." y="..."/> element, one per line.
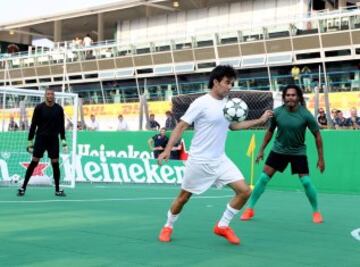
<point x="30" y="147"/>
<point x="64" y="146"/>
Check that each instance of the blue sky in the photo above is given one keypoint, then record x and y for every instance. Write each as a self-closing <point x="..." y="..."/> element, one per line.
<point x="19" y="10"/>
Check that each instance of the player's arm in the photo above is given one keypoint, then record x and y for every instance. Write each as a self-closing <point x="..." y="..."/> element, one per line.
<point x="62" y="131"/>
<point x="268" y="135"/>
<point x="319" y="147"/>
<point x="34" y="123"/>
<point x="315" y="130"/>
<point x="62" y="124"/>
<point x="251" y="123"/>
<point x="174" y="138"/>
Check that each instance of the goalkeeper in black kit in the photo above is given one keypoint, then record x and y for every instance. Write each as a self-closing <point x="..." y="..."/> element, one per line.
<point x="46" y="125"/>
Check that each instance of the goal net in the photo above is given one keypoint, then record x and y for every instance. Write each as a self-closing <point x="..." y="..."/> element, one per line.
<point x="16" y="109"/>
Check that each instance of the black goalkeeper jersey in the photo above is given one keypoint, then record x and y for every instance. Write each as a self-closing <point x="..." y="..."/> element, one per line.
<point x="47" y="121"/>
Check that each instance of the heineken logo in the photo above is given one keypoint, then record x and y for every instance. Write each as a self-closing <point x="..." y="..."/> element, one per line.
<point x="125" y="170"/>
<point x="100" y="169"/>
<point x="103" y="152"/>
<point x="39" y="169"/>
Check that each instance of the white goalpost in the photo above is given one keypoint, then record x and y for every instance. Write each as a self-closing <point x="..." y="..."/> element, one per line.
<point x="17" y="107"/>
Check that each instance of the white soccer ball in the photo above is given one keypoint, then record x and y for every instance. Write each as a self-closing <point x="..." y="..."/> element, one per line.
<point x="235" y="110"/>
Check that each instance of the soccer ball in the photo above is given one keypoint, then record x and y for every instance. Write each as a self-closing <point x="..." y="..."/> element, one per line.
<point x="235" y="110"/>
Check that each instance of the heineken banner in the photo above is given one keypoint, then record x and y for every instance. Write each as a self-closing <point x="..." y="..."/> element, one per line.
<point x="110" y="157"/>
<point x="125" y="157"/>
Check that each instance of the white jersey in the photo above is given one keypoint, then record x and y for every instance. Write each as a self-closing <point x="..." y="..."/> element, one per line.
<point x="210" y="127"/>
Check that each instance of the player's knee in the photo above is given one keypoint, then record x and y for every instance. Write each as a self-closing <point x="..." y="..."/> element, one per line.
<point x="245" y="194"/>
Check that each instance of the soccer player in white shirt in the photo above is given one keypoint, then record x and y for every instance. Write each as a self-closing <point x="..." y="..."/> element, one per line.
<point x="207" y="164"/>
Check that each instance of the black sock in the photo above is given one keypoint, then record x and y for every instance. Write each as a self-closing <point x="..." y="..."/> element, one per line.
<point x="56" y="173"/>
<point x="29" y="171"/>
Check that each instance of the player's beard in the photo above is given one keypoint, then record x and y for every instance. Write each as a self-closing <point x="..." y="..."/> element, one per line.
<point x="291" y="104"/>
<point x="50" y="101"/>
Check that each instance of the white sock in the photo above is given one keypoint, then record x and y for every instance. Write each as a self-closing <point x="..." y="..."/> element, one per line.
<point x="171" y="219"/>
<point x="229" y="213"/>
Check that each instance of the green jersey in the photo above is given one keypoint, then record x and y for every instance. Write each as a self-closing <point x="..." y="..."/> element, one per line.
<point x="291" y="128"/>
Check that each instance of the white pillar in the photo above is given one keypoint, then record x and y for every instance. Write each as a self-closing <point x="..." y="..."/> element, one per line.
<point x="100" y="26"/>
<point x="118" y="31"/>
<point x="57" y="31"/>
<point x="342" y="3"/>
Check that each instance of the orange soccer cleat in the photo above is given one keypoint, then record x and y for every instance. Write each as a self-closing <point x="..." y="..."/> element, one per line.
<point x="317" y="218"/>
<point x="227" y="233"/>
<point x="165" y="234"/>
<point x="247" y="215"/>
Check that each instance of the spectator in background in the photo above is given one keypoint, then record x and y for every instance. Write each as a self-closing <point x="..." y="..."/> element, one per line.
<point x="306" y="78"/>
<point x="333" y="115"/>
<point x="153" y="124"/>
<point x="93" y="125"/>
<point x="170" y="122"/>
<point x="295" y="74"/>
<point x="158" y="142"/>
<point x="354" y="120"/>
<point x="13" y="48"/>
<point x="23" y="125"/>
<point x="122" y="125"/>
<point x="13" y="125"/>
<point x="87" y="41"/>
<point x="340" y="121"/>
<point x="321" y="119"/>
<point x="78" y="42"/>
<point x="81" y="126"/>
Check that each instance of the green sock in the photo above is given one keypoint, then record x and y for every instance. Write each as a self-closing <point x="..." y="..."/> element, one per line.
<point x="310" y="192"/>
<point x="259" y="189"/>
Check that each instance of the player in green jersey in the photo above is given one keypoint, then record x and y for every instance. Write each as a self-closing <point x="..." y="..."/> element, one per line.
<point x="291" y="120"/>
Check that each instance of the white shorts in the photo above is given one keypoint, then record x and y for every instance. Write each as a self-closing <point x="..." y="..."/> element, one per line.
<point x="200" y="175"/>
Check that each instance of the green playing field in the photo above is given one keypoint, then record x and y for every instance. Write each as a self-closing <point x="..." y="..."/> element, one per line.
<point x="118" y="225"/>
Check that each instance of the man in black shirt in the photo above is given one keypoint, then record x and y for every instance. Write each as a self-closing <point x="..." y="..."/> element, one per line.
<point x="153" y="124"/>
<point x="170" y="122"/>
<point x="158" y="142"/>
<point x="48" y="121"/>
<point x="13" y="125"/>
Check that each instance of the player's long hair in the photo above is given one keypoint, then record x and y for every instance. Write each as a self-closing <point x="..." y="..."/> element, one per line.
<point x="219" y="73"/>
<point x="299" y="93"/>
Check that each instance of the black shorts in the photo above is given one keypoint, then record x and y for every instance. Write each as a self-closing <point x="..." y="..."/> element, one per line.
<point x="299" y="164"/>
<point x="48" y="143"/>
